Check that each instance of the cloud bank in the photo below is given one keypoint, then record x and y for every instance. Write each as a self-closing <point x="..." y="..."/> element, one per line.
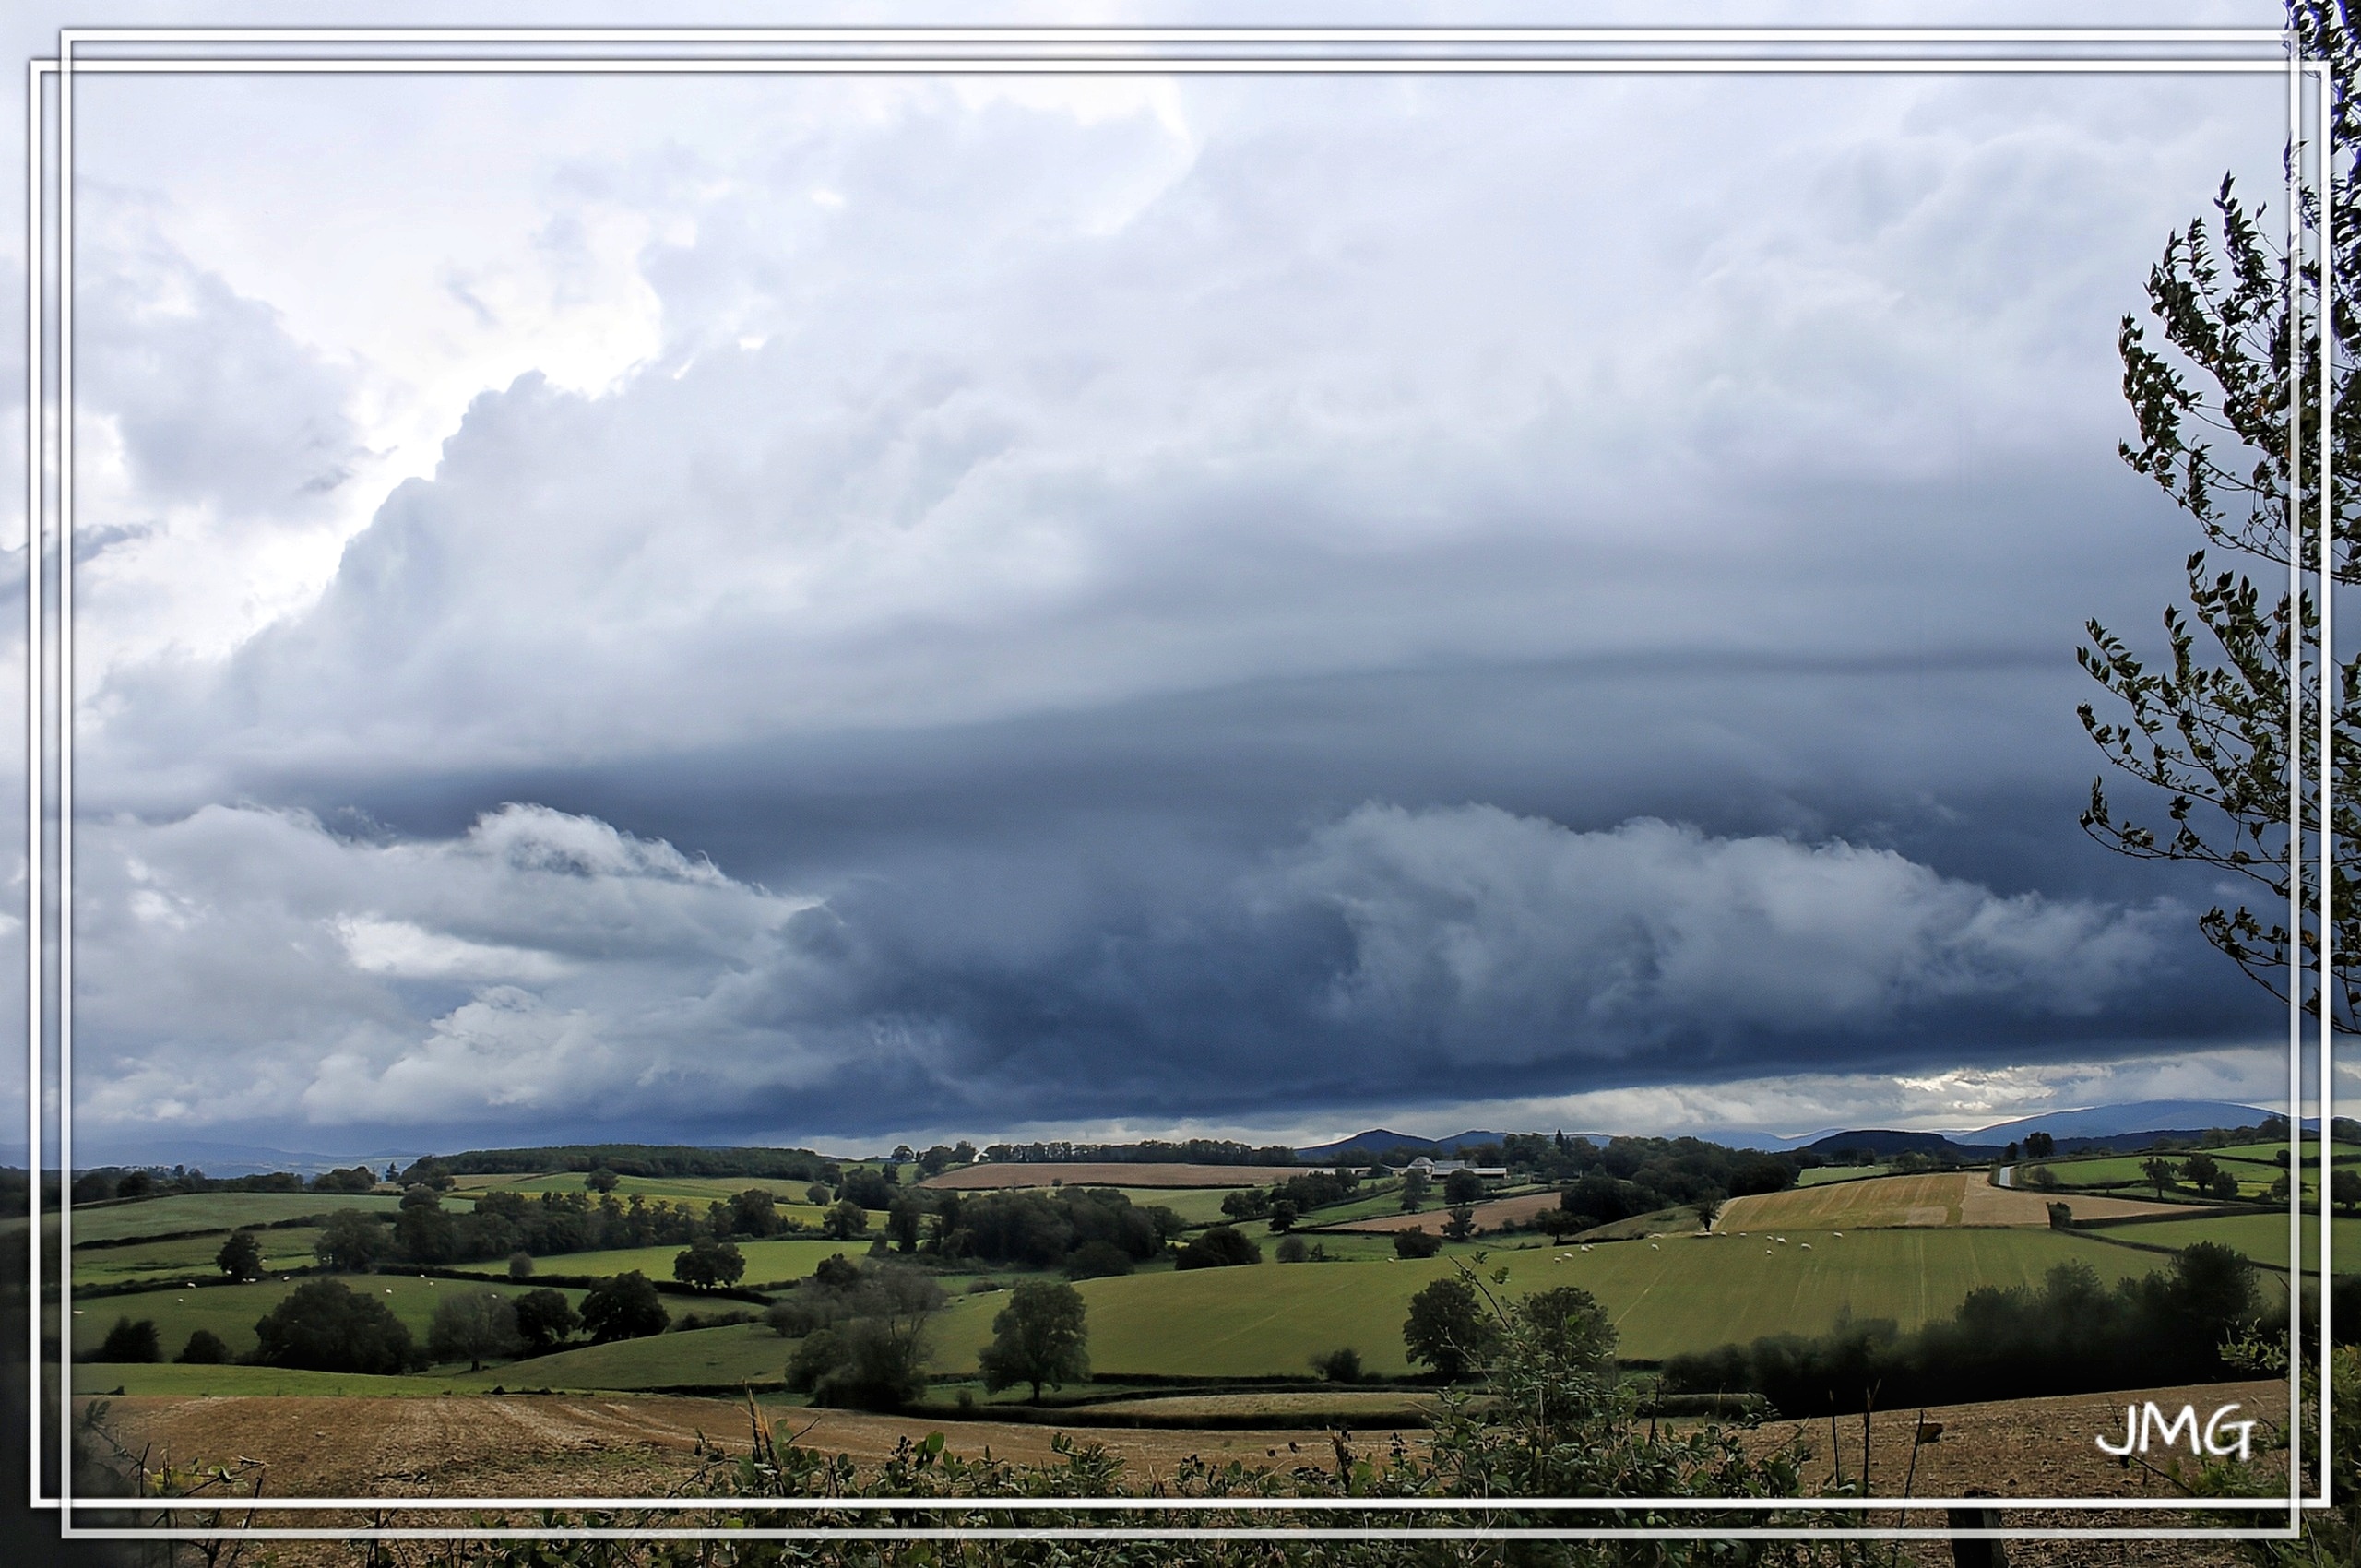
<point x="544" y="969"/>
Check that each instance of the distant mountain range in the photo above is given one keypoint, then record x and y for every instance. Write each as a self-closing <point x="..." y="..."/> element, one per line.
<point x="1377" y="1140"/>
<point x="2115" y="1120"/>
<point x="232" y="1160"/>
<point x="2126" y="1125"/>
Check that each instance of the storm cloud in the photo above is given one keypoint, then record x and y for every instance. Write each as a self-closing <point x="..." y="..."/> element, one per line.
<point x="864" y="605"/>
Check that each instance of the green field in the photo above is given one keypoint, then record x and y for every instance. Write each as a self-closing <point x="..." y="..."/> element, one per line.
<point x="190" y="1258"/>
<point x="766" y="1261"/>
<point x="698" y="1190"/>
<point x="2263" y="1236"/>
<point x="1680" y="1294"/>
<point x="2342" y="1152"/>
<point x="102" y="1377"/>
<point x="229" y="1311"/>
<point x="214" y="1211"/>
<point x="1820" y="1174"/>
<point x="2254" y="1165"/>
<point x="745" y="1352"/>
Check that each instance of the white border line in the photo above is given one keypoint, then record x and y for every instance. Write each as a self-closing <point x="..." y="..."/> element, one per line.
<point x="2296" y="779"/>
<point x="67" y="67"/>
<point x="1192" y="66"/>
<point x="36" y="455"/>
<point x="2328" y="701"/>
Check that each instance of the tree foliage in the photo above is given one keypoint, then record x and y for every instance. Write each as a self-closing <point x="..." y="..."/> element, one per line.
<point x="545" y="1319"/>
<point x="132" y="1341"/>
<point x="471" y="1324"/>
<point x="1448" y="1329"/>
<point x="1041" y="1338"/>
<point x="241" y="1256"/>
<point x="324" y="1326"/>
<point x="870" y="1352"/>
<point x="1219" y="1246"/>
<point x="624" y="1307"/>
<point x="2204" y="726"/>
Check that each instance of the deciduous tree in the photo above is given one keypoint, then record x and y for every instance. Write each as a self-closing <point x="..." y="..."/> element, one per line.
<point x="625" y="1307"/>
<point x="241" y="1256"/>
<point x="1041" y="1338"/>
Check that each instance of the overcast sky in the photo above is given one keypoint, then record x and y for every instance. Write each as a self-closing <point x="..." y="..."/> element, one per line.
<point x="829" y="609"/>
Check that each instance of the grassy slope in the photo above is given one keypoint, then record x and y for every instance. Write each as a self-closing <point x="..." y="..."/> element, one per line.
<point x="221" y="1382"/>
<point x="735" y="1353"/>
<point x="1819" y="1175"/>
<point x="191" y="1257"/>
<point x="207" y="1211"/>
<point x="229" y="1311"/>
<point x="2263" y="1236"/>
<point x="1683" y="1293"/>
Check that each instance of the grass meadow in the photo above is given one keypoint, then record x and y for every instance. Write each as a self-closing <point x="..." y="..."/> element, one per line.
<point x="214" y="1211"/>
<point x="231" y="1310"/>
<point x="2263" y="1236"/>
<point x="187" y="1257"/>
<point x="766" y="1262"/>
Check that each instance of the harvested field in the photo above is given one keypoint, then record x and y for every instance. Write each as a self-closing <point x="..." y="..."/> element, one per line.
<point x="524" y="1445"/>
<point x="2032" y="1448"/>
<point x="968" y="1178"/>
<point x="562" y="1447"/>
<point x="1903" y="1202"/>
<point x="1489" y="1216"/>
<point x="2029" y="1447"/>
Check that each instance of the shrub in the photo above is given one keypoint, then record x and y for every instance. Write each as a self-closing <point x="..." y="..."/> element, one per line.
<point x="796" y="1316"/>
<point x="205" y="1348"/>
<point x="1221" y="1247"/>
<point x="322" y="1327"/>
<point x="1293" y="1249"/>
<point x="130" y="1341"/>
<point x="1339" y="1366"/>
<point x="712" y="1319"/>
<point x="1416" y="1242"/>
<point x="520" y="1266"/>
<point x="1098" y="1260"/>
